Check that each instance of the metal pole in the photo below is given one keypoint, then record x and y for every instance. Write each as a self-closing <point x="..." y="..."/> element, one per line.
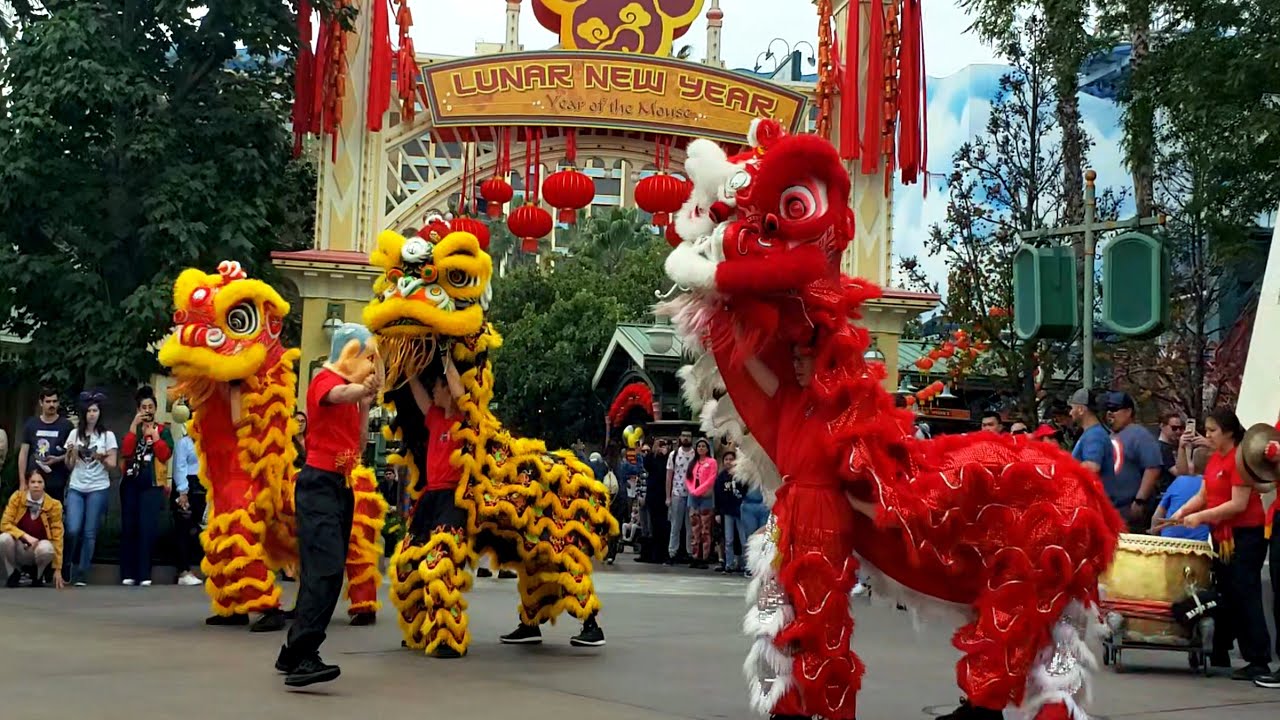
<point x="1090" y="208"/>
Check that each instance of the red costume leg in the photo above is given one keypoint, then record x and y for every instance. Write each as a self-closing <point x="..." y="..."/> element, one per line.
<point x="363" y="578"/>
<point x="817" y="573"/>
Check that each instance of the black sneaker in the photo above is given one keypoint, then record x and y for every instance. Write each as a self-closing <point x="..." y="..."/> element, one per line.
<point x="285" y="662"/>
<point x="15" y="579"/>
<point x="310" y="671"/>
<point x="37" y="580"/>
<point x="523" y="635"/>
<point x="271" y="621"/>
<point x="484" y="573"/>
<point x="444" y="651"/>
<point x="227" y="620"/>
<point x="591" y="635"/>
<point x="1271" y="681"/>
<point x="507" y="575"/>
<point x="1251" y="672"/>
<point x="364" y="619"/>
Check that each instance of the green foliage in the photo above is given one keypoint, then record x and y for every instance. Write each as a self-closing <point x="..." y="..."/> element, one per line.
<point x="557" y="326"/>
<point x="128" y="151"/>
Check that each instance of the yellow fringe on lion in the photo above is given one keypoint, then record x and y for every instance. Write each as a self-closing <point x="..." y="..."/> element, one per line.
<point x="476" y="489"/>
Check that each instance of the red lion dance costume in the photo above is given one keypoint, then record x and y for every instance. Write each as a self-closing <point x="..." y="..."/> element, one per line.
<point x="1008" y="537"/>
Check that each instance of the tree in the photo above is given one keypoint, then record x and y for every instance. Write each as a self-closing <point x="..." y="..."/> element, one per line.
<point x="129" y="149"/>
<point x="557" y="326"/>
<point x="610" y="238"/>
<point x="1004" y="182"/>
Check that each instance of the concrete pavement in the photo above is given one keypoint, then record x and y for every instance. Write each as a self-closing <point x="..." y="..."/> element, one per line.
<point x="675" y="651"/>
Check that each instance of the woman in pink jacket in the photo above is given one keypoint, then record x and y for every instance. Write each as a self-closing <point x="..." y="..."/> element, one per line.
<point x="702" y="483"/>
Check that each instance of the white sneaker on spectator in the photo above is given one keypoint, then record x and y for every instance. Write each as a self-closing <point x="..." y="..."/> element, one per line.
<point x="130" y="583"/>
<point x="145" y="583"/>
<point x="81" y="583"/>
<point x="861" y="589"/>
<point x="189" y="580"/>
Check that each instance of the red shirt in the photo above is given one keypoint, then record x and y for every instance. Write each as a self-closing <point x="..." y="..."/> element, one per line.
<point x="441" y="474"/>
<point x="1220" y="476"/>
<point x="32" y="526"/>
<point x="333" y="429"/>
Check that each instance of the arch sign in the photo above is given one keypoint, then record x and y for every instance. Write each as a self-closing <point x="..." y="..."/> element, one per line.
<point x="619" y="91"/>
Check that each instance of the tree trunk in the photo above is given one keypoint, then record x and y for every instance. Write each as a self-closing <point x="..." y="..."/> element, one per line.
<point x="1141" y="111"/>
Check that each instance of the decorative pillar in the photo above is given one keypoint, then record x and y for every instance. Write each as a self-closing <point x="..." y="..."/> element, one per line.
<point x="1260" y="387"/>
<point x="350" y="183"/>
<point x="715" y="19"/>
<point x="870" y="255"/>
<point x="512" y="42"/>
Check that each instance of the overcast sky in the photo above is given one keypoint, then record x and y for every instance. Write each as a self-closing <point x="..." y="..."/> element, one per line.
<point x="453" y="28"/>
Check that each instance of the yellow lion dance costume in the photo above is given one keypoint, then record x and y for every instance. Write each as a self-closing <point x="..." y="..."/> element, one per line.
<point x="539" y="513"/>
<point x="226" y="354"/>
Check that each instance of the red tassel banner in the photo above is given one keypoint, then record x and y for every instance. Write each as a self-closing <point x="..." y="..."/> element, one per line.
<point x="873" y="122"/>
<point x="849" y="90"/>
<point x="406" y="65"/>
<point x="379" y="91"/>
<point x="303" y="78"/>
<point x="633" y="395"/>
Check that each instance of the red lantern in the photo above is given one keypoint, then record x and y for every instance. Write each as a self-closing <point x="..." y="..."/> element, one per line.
<point x="473" y="226"/>
<point x="935" y="354"/>
<point x="496" y="191"/>
<point x="924" y="395"/>
<point x="910" y="400"/>
<point x="997" y="312"/>
<point x="937" y="386"/>
<point x="661" y="195"/>
<point x="673" y="237"/>
<point x="530" y="223"/>
<point x="948" y="349"/>
<point x="925" y="364"/>
<point x="570" y="191"/>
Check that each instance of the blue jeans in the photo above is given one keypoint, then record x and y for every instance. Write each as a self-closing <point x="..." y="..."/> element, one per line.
<point x="733" y="527"/>
<point x="753" y="516"/>
<point x="85" y="512"/>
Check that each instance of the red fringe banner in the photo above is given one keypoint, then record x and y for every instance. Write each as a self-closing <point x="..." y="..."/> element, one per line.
<point x="873" y="123"/>
<point x="303" y="78"/>
<point x="379" y="91"/>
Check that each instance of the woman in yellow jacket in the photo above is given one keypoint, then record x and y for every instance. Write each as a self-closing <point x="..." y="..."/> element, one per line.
<point x="31" y="533"/>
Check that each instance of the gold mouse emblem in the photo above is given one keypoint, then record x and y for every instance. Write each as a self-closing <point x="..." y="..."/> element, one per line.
<point x="645" y="27"/>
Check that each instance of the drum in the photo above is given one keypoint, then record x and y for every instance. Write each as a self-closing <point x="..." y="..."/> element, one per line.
<point x="1150" y="568"/>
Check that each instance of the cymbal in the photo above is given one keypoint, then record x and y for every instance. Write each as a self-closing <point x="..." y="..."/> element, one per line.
<point x="1251" y="457"/>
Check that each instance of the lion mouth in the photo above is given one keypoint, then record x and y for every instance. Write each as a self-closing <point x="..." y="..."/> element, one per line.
<point x="405" y="322"/>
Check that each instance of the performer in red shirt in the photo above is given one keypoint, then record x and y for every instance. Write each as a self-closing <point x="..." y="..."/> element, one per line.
<point x="338" y="408"/>
<point x="1232" y="507"/>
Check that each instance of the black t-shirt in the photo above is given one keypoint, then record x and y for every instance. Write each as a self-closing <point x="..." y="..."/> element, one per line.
<point x="48" y="440"/>
<point x="728" y="495"/>
<point x="1168" y="456"/>
<point x="655" y="467"/>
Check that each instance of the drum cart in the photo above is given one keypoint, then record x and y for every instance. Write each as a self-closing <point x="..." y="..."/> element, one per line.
<point x="1149" y="574"/>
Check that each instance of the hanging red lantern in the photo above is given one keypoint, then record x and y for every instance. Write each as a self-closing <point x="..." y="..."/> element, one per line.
<point x="496" y="191"/>
<point x="937" y="386"/>
<point x="925" y="364"/>
<point x="661" y="195"/>
<point x="948" y="349"/>
<point x="935" y="354"/>
<point x="673" y="237"/>
<point x="473" y="226"/>
<point x="909" y="400"/>
<point x="569" y="191"/>
<point x="997" y="312"/>
<point x="530" y="223"/>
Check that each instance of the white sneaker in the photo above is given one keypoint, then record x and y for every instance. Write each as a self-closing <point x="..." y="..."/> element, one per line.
<point x="145" y="583"/>
<point x="130" y="583"/>
<point x="81" y="583"/>
<point x="189" y="580"/>
<point x="861" y="589"/>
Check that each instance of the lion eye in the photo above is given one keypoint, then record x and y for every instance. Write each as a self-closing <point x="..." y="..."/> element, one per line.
<point x="800" y="202"/>
<point x="458" y="278"/>
<point x="242" y="318"/>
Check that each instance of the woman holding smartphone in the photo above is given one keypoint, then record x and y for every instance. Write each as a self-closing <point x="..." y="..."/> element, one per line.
<point x="146" y="450"/>
<point x="91" y="449"/>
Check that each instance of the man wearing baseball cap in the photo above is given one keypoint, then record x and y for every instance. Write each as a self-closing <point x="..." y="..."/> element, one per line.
<point x="1138" y="472"/>
<point x="1094" y="449"/>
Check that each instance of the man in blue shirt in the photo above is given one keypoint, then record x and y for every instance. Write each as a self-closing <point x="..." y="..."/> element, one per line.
<point x="1141" y="463"/>
<point x="187" y="508"/>
<point x="1093" y="449"/>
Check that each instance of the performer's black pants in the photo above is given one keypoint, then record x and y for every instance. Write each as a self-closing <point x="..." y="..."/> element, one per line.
<point x="1240" y="617"/>
<point x="1275" y="583"/>
<point x="324" y="506"/>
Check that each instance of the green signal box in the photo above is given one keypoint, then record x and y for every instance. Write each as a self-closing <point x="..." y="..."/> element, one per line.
<point x="1046" y="297"/>
<point x="1135" y="285"/>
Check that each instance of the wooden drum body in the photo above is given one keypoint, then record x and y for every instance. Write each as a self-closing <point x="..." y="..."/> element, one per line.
<point x="1149" y="568"/>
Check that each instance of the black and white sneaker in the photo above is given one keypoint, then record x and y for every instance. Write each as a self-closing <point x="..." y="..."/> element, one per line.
<point x="591" y="635"/>
<point x="507" y="575"/>
<point x="310" y="671"/>
<point x="484" y="573"/>
<point x="1271" y="681"/>
<point x="523" y="635"/>
<point x="445" y="651"/>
